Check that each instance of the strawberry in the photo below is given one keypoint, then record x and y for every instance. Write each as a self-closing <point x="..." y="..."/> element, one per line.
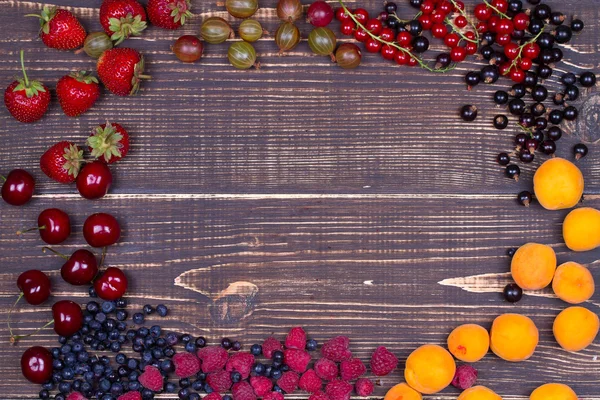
<point x="122" y="19"/>
<point x="60" y="29"/>
<point x="77" y="93"/>
<point x="26" y="100"/>
<point x="62" y="161"/>
<point x="168" y="14"/>
<point x="121" y="70"/>
<point x="109" y="142"/>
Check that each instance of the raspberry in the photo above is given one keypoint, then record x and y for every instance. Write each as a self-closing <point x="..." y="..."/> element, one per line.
<point x="352" y="369"/>
<point x="288" y="381"/>
<point x="242" y="363"/>
<point x="338" y="390"/>
<point x="78" y="396"/>
<point x="336" y="349"/>
<point x="296" y="359"/>
<point x="270" y="345"/>
<point x="261" y="385"/>
<point x="310" y="382"/>
<point x="383" y="361"/>
<point x="243" y="391"/>
<point x="213" y="396"/>
<point x="318" y="396"/>
<point x="213" y="358"/>
<point x="364" y="387"/>
<point x="326" y="369"/>
<point x="128" y="396"/>
<point x="186" y="365"/>
<point x="151" y="378"/>
<point x="296" y="339"/>
<point x="273" y="396"/>
<point x="464" y="377"/>
<point x="219" y="381"/>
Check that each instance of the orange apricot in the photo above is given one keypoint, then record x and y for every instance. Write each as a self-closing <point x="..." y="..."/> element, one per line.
<point x="573" y="283"/>
<point x="469" y="342"/>
<point x="513" y="337"/>
<point x="429" y="369"/>
<point x="575" y="328"/>
<point x="553" y="391"/>
<point x="558" y="184"/>
<point x="478" y="393"/>
<point x="402" y="392"/>
<point x="533" y="265"/>
<point x="581" y="229"/>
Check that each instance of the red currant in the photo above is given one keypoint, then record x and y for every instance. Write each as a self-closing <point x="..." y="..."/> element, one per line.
<point x="521" y="21"/>
<point x="525" y="64"/>
<point x="505" y="26"/>
<point x="460" y="21"/>
<point x="459" y="6"/>
<point x="372" y="45"/>
<point x="504" y="68"/>
<point x="347" y="27"/>
<point x="500" y="5"/>
<point x="388" y="52"/>
<point x="412" y="62"/>
<point x="503" y="40"/>
<point x="531" y="50"/>
<point x="511" y="50"/>
<point x="387" y="34"/>
<point x="470" y="35"/>
<point x="481" y="27"/>
<point x="439" y="31"/>
<point x="401" y="58"/>
<point x="361" y="35"/>
<point x="361" y="15"/>
<point x="451" y="40"/>
<point x="438" y="17"/>
<point x="426" y="21"/>
<point x="493" y="23"/>
<point x="517" y="75"/>
<point x="445" y="6"/>
<point x="374" y="26"/>
<point x="427" y="6"/>
<point x="341" y="15"/>
<point x="482" y="12"/>
<point x="471" y="48"/>
<point x="404" y="39"/>
<point x="458" y="54"/>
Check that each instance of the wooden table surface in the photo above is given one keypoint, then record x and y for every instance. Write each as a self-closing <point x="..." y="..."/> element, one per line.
<point x="348" y="202"/>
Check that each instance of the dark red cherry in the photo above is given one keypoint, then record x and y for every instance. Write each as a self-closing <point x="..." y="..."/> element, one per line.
<point x="111" y="285"/>
<point x="36" y="364"/>
<point x="68" y="318"/>
<point x="80" y="268"/>
<point x="18" y="187"/>
<point x="35" y="286"/>
<point x="54" y="226"/>
<point x="94" y="180"/>
<point x="101" y="230"/>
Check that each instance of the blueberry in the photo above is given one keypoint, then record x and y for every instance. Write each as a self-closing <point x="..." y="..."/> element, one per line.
<point x="276" y="374"/>
<point x="226" y="343"/>
<point x="134" y="385"/>
<point x="70" y="359"/>
<point x="77" y="347"/>
<point x="167" y="366"/>
<point x="108" y="307"/>
<point x="183" y="393"/>
<point x="207" y="388"/>
<point x="227" y="397"/>
<point x="62" y="340"/>
<point x="132" y="363"/>
<point x="197" y="385"/>
<point x="133" y="376"/>
<point x="92" y="292"/>
<point x="185" y="338"/>
<point x="190" y="347"/>
<point x="115" y="347"/>
<point x="278" y="356"/>
<point x="277" y="389"/>
<point x="100" y="317"/>
<point x="277" y="364"/>
<point x="147" y="394"/>
<point x="147" y="356"/>
<point x="285" y="368"/>
<point x="200" y="342"/>
<point x="123" y="371"/>
<point x="44" y="394"/>
<point x="194" y="396"/>
<point x="143" y="331"/>
<point x="161" y="342"/>
<point x="59" y="396"/>
<point x="148" y="309"/>
<point x="68" y="373"/>
<point x="184" y="382"/>
<point x="155" y="330"/>
<point x="110" y="324"/>
<point x="138" y="318"/>
<point x="122" y="315"/>
<point x="170" y="387"/>
<point x="121" y="303"/>
<point x="157" y="353"/>
<point x="201" y="376"/>
<point x="83" y="356"/>
<point x="236" y="346"/>
<point x="104" y="385"/>
<point x="162" y="310"/>
<point x="236" y="377"/>
<point x="92" y="307"/>
<point x="311" y="345"/>
<point x="171" y="339"/>
<point x="116" y="389"/>
<point x="169" y="352"/>
<point x="149" y="341"/>
<point x="48" y="386"/>
<point x="131" y="334"/>
<point x="259" y="369"/>
<point x="268" y="370"/>
<point x="256" y="349"/>
<point x="58" y="364"/>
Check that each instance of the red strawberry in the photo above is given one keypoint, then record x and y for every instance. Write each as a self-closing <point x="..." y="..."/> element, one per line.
<point x="121" y="70"/>
<point x="168" y="14"/>
<point x="109" y="142"/>
<point x="151" y="378"/>
<point x="27" y="101"/>
<point x="77" y="93"/>
<point x="62" y="161"/>
<point x="122" y="19"/>
<point x="60" y="29"/>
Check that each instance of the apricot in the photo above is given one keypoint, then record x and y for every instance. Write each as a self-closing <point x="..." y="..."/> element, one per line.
<point x="469" y="342"/>
<point x="553" y="391"/>
<point x="402" y="392"/>
<point x="429" y="369"/>
<point x="575" y="328"/>
<point x="533" y="265"/>
<point x="479" y="393"/>
<point x="513" y="337"/>
<point x="581" y="229"/>
<point x="558" y="184"/>
<point x="573" y="283"/>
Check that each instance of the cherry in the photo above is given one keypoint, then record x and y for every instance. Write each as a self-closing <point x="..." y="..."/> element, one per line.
<point x="111" y="285"/>
<point x="54" y="226"/>
<point x="36" y="364"/>
<point x="80" y="268"/>
<point x="94" y="180"/>
<point x="35" y="286"/>
<point x="18" y="187"/>
<point x="68" y="318"/>
<point x="101" y="230"/>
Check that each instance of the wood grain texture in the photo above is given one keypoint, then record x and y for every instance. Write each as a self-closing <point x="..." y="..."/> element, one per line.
<point x="349" y="202"/>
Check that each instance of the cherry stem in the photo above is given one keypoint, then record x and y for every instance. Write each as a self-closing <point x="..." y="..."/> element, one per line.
<point x="9" y="315"/>
<point x="103" y="256"/>
<point x="464" y="14"/>
<point x="14" y="339"/>
<point x="3" y="178"/>
<point x="39" y="228"/>
<point x="495" y="9"/>
<point x="54" y="251"/>
<point x="23" y="68"/>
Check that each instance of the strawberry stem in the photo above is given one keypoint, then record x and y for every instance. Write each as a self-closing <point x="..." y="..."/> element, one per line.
<point x="54" y="251"/>
<point x="23" y="68"/>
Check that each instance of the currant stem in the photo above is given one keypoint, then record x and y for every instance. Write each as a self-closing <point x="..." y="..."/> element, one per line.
<point x="397" y="18"/>
<point x="518" y="57"/>
<point x="54" y="251"/>
<point x="39" y="228"/>
<point x="495" y="9"/>
<point x="14" y="339"/>
<point x="23" y="68"/>
<point x="459" y="32"/>
<point x="464" y="14"/>
<point x="9" y="315"/>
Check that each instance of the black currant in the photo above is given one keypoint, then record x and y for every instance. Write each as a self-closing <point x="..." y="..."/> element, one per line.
<point x="571" y="93"/>
<point x="557" y="54"/>
<point x="501" y="97"/>
<point x="554" y="133"/>
<point x="468" y="113"/>
<point x="534" y="2"/>
<point x="515" y="6"/>
<point x="557" y="18"/>
<point x="527" y="120"/>
<point x="542" y="11"/>
<point x="490" y="74"/>
<point x="420" y="44"/>
<point x="548" y="147"/>
<point x="570" y="113"/>
<point x="513" y="171"/>
<point x="555" y="117"/>
<point x="577" y="25"/>
<point x="390" y="7"/>
<point x="568" y="78"/>
<point x="503" y="159"/>
<point x="524" y="198"/>
<point x="416" y="3"/>
<point x="544" y="71"/>
<point x="520" y="140"/>
<point x="539" y="93"/>
<point x="546" y="56"/>
<point x="473" y="78"/>
<point x="526" y="156"/>
<point x="511" y="252"/>
<point x="558" y="99"/>
<point x="488" y="38"/>
<point x="532" y="145"/>
<point x="516" y="106"/>
<point x="512" y="293"/>
<point x="541" y="123"/>
<point x="442" y="60"/>
<point x="500" y="121"/>
<point x="580" y="151"/>
<point x="415" y="28"/>
<point x="538" y="109"/>
<point x="392" y="23"/>
<point x="563" y="34"/>
<point x="587" y="79"/>
<point x="535" y="26"/>
<point x="518" y="90"/>
<point x="531" y="79"/>
<point x="518" y="35"/>
<point x="538" y="135"/>
<point x="487" y="52"/>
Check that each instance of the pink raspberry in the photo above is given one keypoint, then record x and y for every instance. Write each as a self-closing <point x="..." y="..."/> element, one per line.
<point x="326" y="369"/>
<point x="288" y="382"/>
<point x="464" y="377"/>
<point x="296" y="339"/>
<point x="213" y="396"/>
<point x="186" y="364"/>
<point x="338" y="390"/>
<point x="213" y="358"/>
<point x="296" y="359"/>
<point x="383" y="361"/>
<point x="352" y="369"/>
<point x="364" y="387"/>
<point x="273" y="396"/>
<point x="270" y="345"/>
<point x="77" y="396"/>
<point x="243" y="391"/>
<point x="261" y="385"/>
<point x="242" y="363"/>
<point x="219" y="381"/>
<point x="318" y="396"/>
<point x="151" y="378"/>
<point x="310" y="382"/>
<point x="336" y="349"/>
<point x="130" y="396"/>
